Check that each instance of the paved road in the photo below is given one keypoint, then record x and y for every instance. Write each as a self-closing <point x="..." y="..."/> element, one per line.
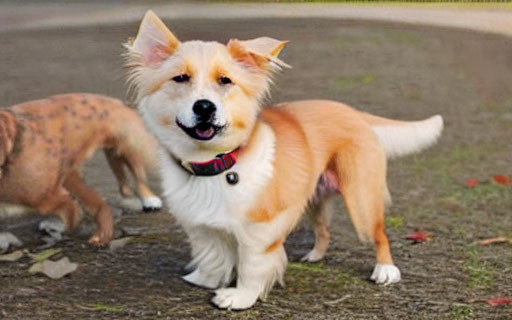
<point x="397" y="71"/>
<point x="487" y="18"/>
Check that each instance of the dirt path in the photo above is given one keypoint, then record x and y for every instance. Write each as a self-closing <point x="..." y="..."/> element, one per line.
<point x="399" y="71"/>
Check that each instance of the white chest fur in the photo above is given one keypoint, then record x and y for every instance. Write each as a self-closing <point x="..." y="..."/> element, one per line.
<point x="212" y="202"/>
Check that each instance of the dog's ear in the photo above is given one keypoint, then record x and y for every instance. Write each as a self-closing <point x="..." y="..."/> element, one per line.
<point x="260" y="52"/>
<point x="154" y="41"/>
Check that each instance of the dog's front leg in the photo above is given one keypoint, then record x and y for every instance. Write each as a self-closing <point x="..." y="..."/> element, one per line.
<point x="213" y="257"/>
<point x="259" y="267"/>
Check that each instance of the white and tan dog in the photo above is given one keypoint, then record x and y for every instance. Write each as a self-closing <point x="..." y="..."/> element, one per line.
<point x="237" y="176"/>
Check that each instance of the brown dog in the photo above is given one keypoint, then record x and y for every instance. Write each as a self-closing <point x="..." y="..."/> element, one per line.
<point x="43" y="144"/>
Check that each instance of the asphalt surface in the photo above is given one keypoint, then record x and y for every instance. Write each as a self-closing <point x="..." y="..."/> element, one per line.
<point x="402" y="71"/>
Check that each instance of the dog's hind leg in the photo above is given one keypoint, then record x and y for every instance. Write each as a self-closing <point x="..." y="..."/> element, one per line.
<point x="94" y="205"/>
<point x="62" y="205"/>
<point x="116" y="164"/>
<point x="319" y="213"/>
<point x="150" y="202"/>
<point x="362" y="179"/>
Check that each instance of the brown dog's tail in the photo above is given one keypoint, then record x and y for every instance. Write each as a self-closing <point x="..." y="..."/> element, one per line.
<point x="401" y="138"/>
<point x="8" y="130"/>
<point x="137" y="141"/>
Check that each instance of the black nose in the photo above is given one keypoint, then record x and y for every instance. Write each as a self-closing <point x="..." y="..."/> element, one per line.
<point x="204" y="109"/>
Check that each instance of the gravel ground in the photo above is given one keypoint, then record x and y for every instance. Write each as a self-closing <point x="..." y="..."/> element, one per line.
<point x="399" y="71"/>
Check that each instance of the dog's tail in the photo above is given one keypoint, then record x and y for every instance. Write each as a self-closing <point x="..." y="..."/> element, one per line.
<point x="401" y="138"/>
<point x="8" y="130"/>
<point x="134" y="139"/>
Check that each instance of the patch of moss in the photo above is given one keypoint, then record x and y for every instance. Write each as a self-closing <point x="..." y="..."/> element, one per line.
<point x="311" y="277"/>
<point x="482" y="193"/>
<point x="104" y="307"/>
<point x="452" y="161"/>
<point x="353" y="81"/>
<point x="395" y="223"/>
<point x="461" y="312"/>
<point x="309" y="267"/>
<point x="480" y="273"/>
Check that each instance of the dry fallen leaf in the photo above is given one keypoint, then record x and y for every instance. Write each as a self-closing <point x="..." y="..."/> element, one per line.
<point x="8" y="240"/>
<point x="119" y="243"/>
<point x="54" y="269"/>
<point x="43" y="255"/>
<point x="501" y="179"/>
<point x="13" y="256"/>
<point x="495" y="240"/>
<point x="418" y="236"/>
<point x="471" y="183"/>
<point x="499" y="302"/>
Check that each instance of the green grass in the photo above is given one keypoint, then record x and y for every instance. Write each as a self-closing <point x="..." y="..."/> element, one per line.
<point x="307" y="267"/>
<point x="353" y="81"/>
<point x="461" y="312"/>
<point x="395" y="223"/>
<point x="480" y="273"/>
<point x="452" y="161"/>
<point x="418" y="212"/>
<point x="44" y="255"/>
<point x="311" y="277"/>
<point x="481" y="195"/>
<point x="104" y="307"/>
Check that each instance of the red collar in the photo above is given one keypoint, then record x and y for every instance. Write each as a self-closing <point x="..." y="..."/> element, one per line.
<point x="215" y="166"/>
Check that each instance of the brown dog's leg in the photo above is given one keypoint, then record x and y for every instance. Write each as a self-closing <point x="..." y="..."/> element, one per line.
<point x="116" y="164"/>
<point x="362" y="179"/>
<point x="93" y="204"/>
<point x="62" y="205"/>
<point x="320" y="216"/>
<point x="150" y="202"/>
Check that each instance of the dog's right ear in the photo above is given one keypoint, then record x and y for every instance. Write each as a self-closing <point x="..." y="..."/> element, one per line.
<point x="260" y="53"/>
<point x="154" y="42"/>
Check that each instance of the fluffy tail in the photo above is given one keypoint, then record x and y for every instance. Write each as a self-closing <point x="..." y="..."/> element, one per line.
<point x="141" y="141"/>
<point x="135" y="141"/>
<point x="400" y="138"/>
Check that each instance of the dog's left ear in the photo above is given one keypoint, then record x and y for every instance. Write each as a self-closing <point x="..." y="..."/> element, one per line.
<point x="154" y="41"/>
<point x="260" y="52"/>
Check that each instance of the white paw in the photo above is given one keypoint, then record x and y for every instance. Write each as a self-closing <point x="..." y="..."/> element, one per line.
<point x="385" y="274"/>
<point x="198" y="279"/>
<point x="128" y="203"/>
<point x="234" y="299"/>
<point x="313" y="256"/>
<point x="53" y="226"/>
<point x="151" y="204"/>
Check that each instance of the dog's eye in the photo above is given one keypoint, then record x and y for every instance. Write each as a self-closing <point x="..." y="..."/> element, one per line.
<point x="181" y="78"/>
<point x="225" y="80"/>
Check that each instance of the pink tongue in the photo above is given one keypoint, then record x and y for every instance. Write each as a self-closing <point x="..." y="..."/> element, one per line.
<point x="205" y="134"/>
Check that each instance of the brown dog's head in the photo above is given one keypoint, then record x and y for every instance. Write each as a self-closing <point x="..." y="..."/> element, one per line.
<point x="8" y="130"/>
<point x="199" y="98"/>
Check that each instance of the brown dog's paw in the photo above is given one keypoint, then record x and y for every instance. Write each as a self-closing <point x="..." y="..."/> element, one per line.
<point x="101" y="239"/>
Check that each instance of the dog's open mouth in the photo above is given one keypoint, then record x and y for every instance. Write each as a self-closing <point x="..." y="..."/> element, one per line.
<point x="201" y="131"/>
